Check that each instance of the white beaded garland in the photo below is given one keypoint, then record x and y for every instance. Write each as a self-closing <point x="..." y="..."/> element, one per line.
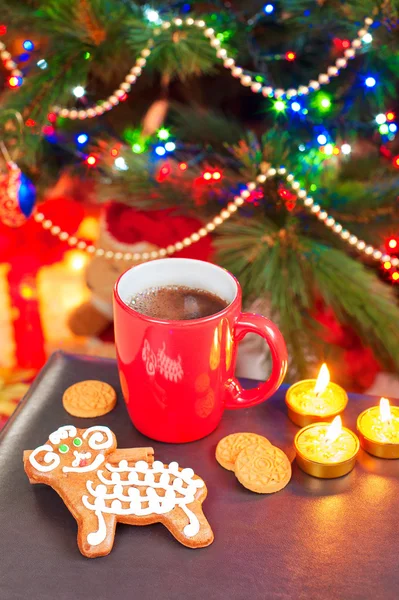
<point x="9" y="64"/>
<point x="228" y="62"/>
<point x="225" y="214"/>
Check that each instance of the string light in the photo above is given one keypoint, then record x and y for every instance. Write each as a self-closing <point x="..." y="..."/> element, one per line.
<point x="82" y="138"/>
<point x="352" y="240"/>
<point x="268" y="9"/>
<point x="120" y="164"/>
<point x="390" y="116"/>
<point x="137" y="148"/>
<point x="346" y="149"/>
<point x="78" y="91"/>
<point x="152" y="15"/>
<point x="328" y="149"/>
<point x="296" y="107"/>
<point x="14" y="81"/>
<point x="228" y="62"/>
<point x="290" y="56"/>
<point x="91" y="160"/>
<point x="114" y="152"/>
<point x="383" y="129"/>
<point x="393" y="127"/>
<point x="183" y="166"/>
<point x="322" y="139"/>
<point x="279" y="106"/>
<point x="367" y="38"/>
<point x="3" y="29"/>
<point x="42" y="64"/>
<point x="395" y="276"/>
<point x="396" y="161"/>
<point x="207" y="176"/>
<point x="28" y="45"/>
<point x="160" y="150"/>
<point x="216" y="175"/>
<point x="392" y="243"/>
<point x="387" y="265"/>
<point x="163" y="134"/>
<point x="380" y="119"/>
<point x="170" y="146"/>
<point x="370" y="81"/>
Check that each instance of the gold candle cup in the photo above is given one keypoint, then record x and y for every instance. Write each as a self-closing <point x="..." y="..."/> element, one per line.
<point x="379" y="438"/>
<point x="320" y="457"/>
<point x="304" y="407"/>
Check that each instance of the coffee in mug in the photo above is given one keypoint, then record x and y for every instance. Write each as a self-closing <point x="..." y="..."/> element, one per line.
<point x="177" y="303"/>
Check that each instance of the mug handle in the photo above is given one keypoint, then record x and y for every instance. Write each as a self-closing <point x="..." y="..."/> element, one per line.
<point x="252" y="323"/>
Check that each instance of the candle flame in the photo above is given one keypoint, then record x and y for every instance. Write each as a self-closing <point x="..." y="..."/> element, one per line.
<point x="323" y="379"/>
<point x="334" y="430"/>
<point x="385" y="410"/>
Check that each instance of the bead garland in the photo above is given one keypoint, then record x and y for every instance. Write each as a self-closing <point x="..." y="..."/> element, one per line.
<point x="9" y="64"/>
<point x="228" y="62"/>
<point x="114" y="99"/>
<point x="314" y="208"/>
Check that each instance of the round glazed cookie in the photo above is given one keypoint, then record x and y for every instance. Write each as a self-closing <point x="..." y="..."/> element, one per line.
<point x="230" y="447"/>
<point x="263" y="469"/>
<point x="89" y="399"/>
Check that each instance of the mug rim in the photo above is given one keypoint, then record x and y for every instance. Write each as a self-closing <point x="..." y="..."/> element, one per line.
<point x="184" y="322"/>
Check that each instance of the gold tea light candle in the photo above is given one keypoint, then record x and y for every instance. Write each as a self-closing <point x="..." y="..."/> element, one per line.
<point x="326" y="450"/>
<point x="314" y="400"/>
<point x="378" y="429"/>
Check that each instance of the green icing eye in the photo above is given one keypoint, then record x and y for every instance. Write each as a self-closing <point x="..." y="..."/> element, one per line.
<point x="63" y="448"/>
<point x="77" y="442"/>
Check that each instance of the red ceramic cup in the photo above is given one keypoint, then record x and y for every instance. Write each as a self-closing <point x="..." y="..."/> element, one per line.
<point x="178" y="376"/>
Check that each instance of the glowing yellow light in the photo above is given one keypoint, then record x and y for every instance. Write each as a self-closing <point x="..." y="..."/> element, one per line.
<point x="323" y="379"/>
<point x="76" y="260"/>
<point x="385" y="410"/>
<point x="89" y="228"/>
<point x="26" y="291"/>
<point x="334" y="430"/>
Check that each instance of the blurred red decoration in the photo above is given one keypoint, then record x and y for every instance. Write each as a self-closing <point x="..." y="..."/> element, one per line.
<point x="290" y="55"/>
<point x="91" y="160"/>
<point x="30" y="123"/>
<point x="341" y="44"/>
<point x="48" y="130"/>
<point x="163" y="173"/>
<point x="52" y="117"/>
<point x="3" y="29"/>
<point x="114" y="152"/>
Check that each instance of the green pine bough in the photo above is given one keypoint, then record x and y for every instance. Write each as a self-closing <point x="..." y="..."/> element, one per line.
<point x="276" y="249"/>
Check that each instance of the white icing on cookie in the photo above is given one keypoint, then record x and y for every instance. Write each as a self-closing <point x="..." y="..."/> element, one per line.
<point x="113" y="493"/>
<point x="62" y="433"/>
<point x="80" y="456"/>
<point x="94" y="465"/>
<point x="100" y="437"/>
<point x="51" y="458"/>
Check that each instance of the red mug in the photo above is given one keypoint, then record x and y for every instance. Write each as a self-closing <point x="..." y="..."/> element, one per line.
<point x="177" y="377"/>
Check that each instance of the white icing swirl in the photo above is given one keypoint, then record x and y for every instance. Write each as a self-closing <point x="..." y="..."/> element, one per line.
<point x="51" y="458"/>
<point x="100" y="437"/>
<point x="62" y="433"/>
<point x="112" y="494"/>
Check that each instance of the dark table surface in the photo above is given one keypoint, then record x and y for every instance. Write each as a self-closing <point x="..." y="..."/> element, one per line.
<point x="316" y="539"/>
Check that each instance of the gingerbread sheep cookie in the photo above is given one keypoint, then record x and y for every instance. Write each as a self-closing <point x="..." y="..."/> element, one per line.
<point x="102" y="486"/>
